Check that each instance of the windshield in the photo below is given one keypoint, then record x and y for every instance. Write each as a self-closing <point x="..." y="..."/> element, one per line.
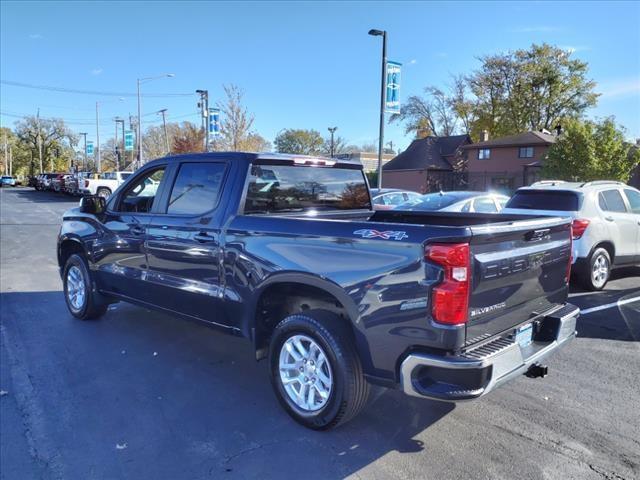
<point x="286" y="188"/>
<point x="545" y="200"/>
<point x="431" y="201"/>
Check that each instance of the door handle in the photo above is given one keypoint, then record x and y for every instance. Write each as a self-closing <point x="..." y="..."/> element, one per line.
<point x="609" y="219"/>
<point x="137" y="230"/>
<point x="204" y="237"/>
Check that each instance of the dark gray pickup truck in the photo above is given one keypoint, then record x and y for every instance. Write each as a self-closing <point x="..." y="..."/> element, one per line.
<point x="287" y="252"/>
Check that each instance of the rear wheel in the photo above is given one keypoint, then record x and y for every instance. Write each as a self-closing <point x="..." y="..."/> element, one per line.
<point x="315" y="370"/>
<point x="598" y="270"/>
<point x="82" y="300"/>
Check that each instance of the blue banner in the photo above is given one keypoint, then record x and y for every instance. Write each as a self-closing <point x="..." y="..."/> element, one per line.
<point x="128" y="140"/>
<point x="214" y="121"/>
<point x="392" y="95"/>
<point x="89" y="148"/>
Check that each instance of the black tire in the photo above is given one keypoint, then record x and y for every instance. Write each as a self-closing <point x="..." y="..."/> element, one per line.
<point x="94" y="305"/>
<point x="590" y="281"/>
<point x="103" y="192"/>
<point x="349" y="389"/>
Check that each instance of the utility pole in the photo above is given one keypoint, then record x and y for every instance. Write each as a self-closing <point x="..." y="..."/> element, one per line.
<point x="332" y="146"/>
<point x="98" y="166"/>
<point x="390" y="145"/>
<point x="117" y="150"/>
<point x="84" y="152"/>
<point x="6" y="156"/>
<point x="10" y="161"/>
<point x="383" y="34"/>
<point x="164" y="127"/>
<point x="139" y="81"/>
<point x="204" y="113"/>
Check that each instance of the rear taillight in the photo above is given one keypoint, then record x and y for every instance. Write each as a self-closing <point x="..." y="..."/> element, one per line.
<point x="578" y="227"/>
<point x="450" y="298"/>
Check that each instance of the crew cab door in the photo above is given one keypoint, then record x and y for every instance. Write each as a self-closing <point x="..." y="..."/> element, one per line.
<point x="633" y="199"/>
<point x="120" y="254"/>
<point x="183" y="242"/>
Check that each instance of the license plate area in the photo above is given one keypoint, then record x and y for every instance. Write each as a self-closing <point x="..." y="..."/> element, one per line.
<point x="524" y="335"/>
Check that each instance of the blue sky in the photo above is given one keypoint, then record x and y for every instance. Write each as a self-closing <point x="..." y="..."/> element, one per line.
<point x="301" y="65"/>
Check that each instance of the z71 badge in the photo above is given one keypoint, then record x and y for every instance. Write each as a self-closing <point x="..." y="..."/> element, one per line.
<point x="388" y="235"/>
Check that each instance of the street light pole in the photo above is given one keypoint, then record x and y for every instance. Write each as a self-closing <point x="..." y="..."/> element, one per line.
<point x="119" y="150"/>
<point x="332" y="146"/>
<point x="204" y="113"/>
<point x="383" y="34"/>
<point x="164" y="126"/>
<point x="139" y="132"/>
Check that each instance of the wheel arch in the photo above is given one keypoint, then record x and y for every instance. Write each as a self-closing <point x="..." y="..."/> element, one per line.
<point x="67" y="246"/>
<point x="282" y="295"/>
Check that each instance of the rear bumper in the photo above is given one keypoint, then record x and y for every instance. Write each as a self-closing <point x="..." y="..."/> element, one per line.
<point x="476" y="372"/>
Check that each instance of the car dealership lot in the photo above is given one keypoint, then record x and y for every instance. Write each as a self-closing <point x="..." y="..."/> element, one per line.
<point x="142" y="395"/>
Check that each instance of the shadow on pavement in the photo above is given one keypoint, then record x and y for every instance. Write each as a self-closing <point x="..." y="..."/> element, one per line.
<point x="186" y="400"/>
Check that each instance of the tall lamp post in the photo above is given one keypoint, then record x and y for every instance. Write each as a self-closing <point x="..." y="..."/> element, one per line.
<point x="139" y="132"/>
<point x="98" y="165"/>
<point x="383" y="34"/>
<point x="204" y="113"/>
<point x="332" y="146"/>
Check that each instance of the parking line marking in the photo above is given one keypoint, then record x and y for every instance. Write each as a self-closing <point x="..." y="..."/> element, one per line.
<point x="609" y="305"/>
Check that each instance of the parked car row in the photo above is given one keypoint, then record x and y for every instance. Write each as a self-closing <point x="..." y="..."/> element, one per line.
<point x="79" y="183"/>
<point x="605" y="218"/>
<point x="8" y="181"/>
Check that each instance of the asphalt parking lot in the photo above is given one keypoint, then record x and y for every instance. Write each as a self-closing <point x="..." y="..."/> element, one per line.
<point x="139" y="394"/>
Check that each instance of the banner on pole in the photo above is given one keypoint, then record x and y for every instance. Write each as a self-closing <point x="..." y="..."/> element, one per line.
<point x="392" y="95"/>
<point x="214" y="121"/>
<point x="128" y="140"/>
<point x="89" y="148"/>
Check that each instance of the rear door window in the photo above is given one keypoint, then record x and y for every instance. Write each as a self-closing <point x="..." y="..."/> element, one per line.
<point x="611" y="201"/>
<point x="545" y="200"/>
<point x="634" y="200"/>
<point x="196" y="189"/>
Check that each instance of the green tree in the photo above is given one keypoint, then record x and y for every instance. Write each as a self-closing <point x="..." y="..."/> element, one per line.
<point x="527" y="89"/>
<point x="52" y="136"/>
<point x="299" y="141"/>
<point x="591" y="151"/>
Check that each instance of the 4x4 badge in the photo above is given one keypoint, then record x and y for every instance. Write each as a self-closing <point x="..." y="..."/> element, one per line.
<point x="388" y="235"/>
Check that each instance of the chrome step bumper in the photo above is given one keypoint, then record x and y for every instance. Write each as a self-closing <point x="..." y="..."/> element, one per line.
<point x="476" y="372"/>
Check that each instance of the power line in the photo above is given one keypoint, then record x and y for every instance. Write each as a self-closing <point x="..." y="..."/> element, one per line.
<point x="89" y="121"/>
<point x="92" y="92"/>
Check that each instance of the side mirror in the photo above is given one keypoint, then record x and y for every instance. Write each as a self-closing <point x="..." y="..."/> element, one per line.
<point x="93" y="204"/>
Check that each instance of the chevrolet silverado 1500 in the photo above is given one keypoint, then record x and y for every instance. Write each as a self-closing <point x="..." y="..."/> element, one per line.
<point x="287" y="252"/>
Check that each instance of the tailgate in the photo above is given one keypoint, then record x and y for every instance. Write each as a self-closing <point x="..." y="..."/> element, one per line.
<point x="519" y="270"/>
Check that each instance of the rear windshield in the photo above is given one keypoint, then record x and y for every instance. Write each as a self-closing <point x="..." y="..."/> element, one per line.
<point x="432" y="201"/>
<point x="285" y="188"/>
<point x="545" y="200"/>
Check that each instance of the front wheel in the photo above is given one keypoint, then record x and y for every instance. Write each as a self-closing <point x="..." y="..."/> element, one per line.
<point x="82" y="300"/>
<point x="315" y="370"/>
<point x="104" y="193"/>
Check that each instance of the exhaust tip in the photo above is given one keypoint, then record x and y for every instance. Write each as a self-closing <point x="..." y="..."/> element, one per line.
<point x="537" y="370"/>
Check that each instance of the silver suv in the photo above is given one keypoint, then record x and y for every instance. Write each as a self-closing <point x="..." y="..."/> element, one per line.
<point x="606" y="223"/>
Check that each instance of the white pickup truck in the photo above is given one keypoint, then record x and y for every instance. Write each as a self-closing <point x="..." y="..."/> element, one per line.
<point x="105" y="185"/>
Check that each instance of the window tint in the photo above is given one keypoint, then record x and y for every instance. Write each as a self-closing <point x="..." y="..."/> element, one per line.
<point x="286" y="188"/>
<point x="197" y="188"/>
<point x="394" y="199"/>
<point x="433" y="201"/>
<point x="611" y="201"/>
<point x="545" y="200"/>
<point x="634" y="200"/>
<point x="140" y="195"/>
<point x="466" y="207"/>
<point x="484" y="205"/>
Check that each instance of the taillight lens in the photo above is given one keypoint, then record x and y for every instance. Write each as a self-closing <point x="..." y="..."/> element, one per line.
<point x="571" y="236"/>
<point x="450" y="298"/>
<point x="578" y="227"/>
